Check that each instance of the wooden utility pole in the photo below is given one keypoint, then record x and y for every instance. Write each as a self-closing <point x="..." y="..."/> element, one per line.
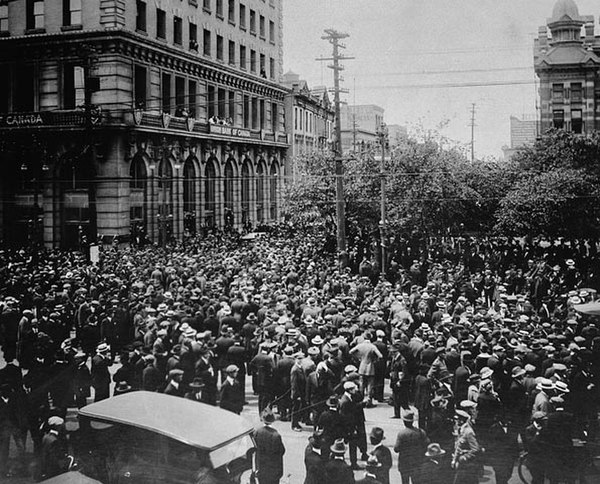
<point x="334" y="38"/>
<point x="472" y="132"/>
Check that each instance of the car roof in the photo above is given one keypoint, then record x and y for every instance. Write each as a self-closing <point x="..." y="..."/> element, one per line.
<point x="187" y="421"/>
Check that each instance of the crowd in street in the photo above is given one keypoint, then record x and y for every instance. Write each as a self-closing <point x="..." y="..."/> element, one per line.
<point x="479" y="341"/>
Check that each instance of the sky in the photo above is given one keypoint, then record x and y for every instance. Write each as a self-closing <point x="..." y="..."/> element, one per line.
<point x="426" y="62"/>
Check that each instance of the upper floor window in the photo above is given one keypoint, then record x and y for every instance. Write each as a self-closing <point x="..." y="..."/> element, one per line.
<point x="3" y="18"/>
<point x="231" y="11"/>
<point x="271" y="68"/>
<point x="242" y="56"/>
<point x="576" y="121"/>
<point x="140" y="86"/>
<point x="178" y="30"/>
<point x="558" y="92"/>
<point x="261" y="23"/>
<point x="193" y="33"/>
<point x="242" y="16"/>
<point x="232" y="52"/>
<point x="140" y="17"/>
<point x="71" y="12"/>
<point x="252" y="60"/>
<point x="271" y="31"/>
<point x="576" y="92"/>
<point x="206" y="49"/>
<point x="220" y="8"/>
<point x="35" y="14"/>
<point x="558" y="119"/>
<point x="73" y="86"/>
<point x="252" y="21"/>
<point x="161" y="24"/>
<point x="206" y="5"/>
<point x="219" y="47"/>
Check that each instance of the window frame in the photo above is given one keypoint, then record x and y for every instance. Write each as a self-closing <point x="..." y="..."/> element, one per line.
<point x="68" y="12"/>
<point x="161" y="24"/>
<point x="141" y="17"/>
<point x="4" y="20"/>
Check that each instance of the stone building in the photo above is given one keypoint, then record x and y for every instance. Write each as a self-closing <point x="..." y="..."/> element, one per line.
<point x="359" y="126"/>
<point x="138" y="118"/>
<point x="567" y="62"/>
<point x="310" y="117"/>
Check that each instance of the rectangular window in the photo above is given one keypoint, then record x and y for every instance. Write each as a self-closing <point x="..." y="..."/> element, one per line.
<point x="192" y="98"/>
<point x="274" y="117"/>
<point x="271" y="68"/>
<point x="242" y="16"/>
<point x="232" y="52"/>
<point x="69" y="96"/>
<point x="140" y="16"/>
<point x="35" y="14"/>
<point x="271" y="31"/>
<point x="71" y="12"/>
<point x="3" y="18"/>
<point x="140" y="86"/>
<point x="161" y="24"/>
<point x="206" y="5"/>
<point x="252" y="22"/>
<point x="231" y="113"/>
<point x="246" y="113"/>
<point x="558" y="119"/>
<point x="576" y="121"/>
<point x="211" y="101"/>
<point x="178" y="30"/>
<point x="193" y="34"/>
<point x="254" y="107"/>
<point x="263" y="113"/>
<point x="5" y="74"/>
<point x="24" y="89"/>
<point x="180" y="102"/>
<point x="166" y="92"/>
<point x="263" y="72"/>
<point x="221" y="103"/>
<point x="261" y="24"/>
<point x="242" y="57"/>
<point x="576" y="92"/>
<point x="558" y="92"/>
<point x="231" y="11"/>
<point x="220" y="8"/>
<point x="252" y="60"/>
<point x="206" y="48"/>
<point x="219" y="47"/>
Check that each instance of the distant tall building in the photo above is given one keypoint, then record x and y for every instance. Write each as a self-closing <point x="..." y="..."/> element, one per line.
<point x="131" y="118"/>
<point x="523" y="132"/>
<point x="397" y="134"/>
<point x="567" y="64"/>
<point x="359" y="125"/>
<point x="309" y="118"/>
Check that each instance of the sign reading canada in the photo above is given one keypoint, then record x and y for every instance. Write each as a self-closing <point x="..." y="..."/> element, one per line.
<point x="11" y="120"/>
<point x="229" y="131"/>
<point x="60" y="118"/>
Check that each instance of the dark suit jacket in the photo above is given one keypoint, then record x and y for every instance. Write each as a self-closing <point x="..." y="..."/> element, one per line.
<point x="384" y="456"/>
<point x="315" y="467"/>
<point x="232" y="397"/>
<point x="269" y="453"/>
<point x="298" y="383"/>
<point x="338" y="471"/>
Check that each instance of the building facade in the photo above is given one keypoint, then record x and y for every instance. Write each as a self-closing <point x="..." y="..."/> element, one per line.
<point x="309" y="118"/>
<point x="359" y="126"/>
<point x="523" y="132"/>
<point x="135" y="118"/>
<point x="567" y="63"/>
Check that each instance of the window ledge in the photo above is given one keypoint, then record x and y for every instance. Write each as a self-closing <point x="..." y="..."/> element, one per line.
<point x="231" y="22"/>
<point x="207" y="10"/>
<point x="220" y="16"/>
<point x="141" y="32"/>
<point x="70" y="28"/>
<point x="243" y="27"/>
<point x="35" y="31"/>
<point x="193" y="3"/>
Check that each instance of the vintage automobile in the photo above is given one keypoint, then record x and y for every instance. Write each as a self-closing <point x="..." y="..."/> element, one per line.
<point x="145" y="437"/>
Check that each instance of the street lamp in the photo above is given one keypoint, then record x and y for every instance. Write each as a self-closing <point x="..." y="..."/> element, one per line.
<point x="382" y="134"/>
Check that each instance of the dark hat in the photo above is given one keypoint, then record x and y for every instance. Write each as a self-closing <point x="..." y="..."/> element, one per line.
<point x="196" y="383"/>
<point x="122" y="387"/>
<point x="409" y="416"/>
<point x="268" y="416"/>
<point x="332" y="401"/>
<point x="377" y="434"/>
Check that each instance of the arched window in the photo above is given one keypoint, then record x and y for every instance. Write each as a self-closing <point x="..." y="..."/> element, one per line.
<point x="189" y="195"/>
<point x="273" y="179"/>
<point x="137" y="172"/>
<point x="210" y="192"/>
<point x="260" y="191"/>
<point x="245" y="192"/>
<point x="228" y="185"/>
<point x="138" y="184"/>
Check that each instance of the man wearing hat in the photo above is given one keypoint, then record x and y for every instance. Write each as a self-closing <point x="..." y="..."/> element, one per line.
<point x="232" y="394"/>
<point x="542" y="399"/>
<point x="465" y="459"/>
<point x="100" y="372"/>
<point x="434" y="469"/>
<point x="269" y="450"/>
<point x="337" y="470"/>
<point x="54" y="449"/>
<point x="262" y="367"/>
<point x="382" y="453"/>
<point x="411" y="444"/>
<point x="175" y="386"/>
<point x="319" y="385"/>
<point x="195" y="390"/>
<point x="331" y="424"/>
<point x="313" y="460"/>
<point x="297" y="391"/>
<point x="515" y="399"/>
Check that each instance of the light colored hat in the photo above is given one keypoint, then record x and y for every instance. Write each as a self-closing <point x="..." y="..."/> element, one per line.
<point x="434" y="450"/>
<point x="486" y="373"/>
<point x="55" y="421"/>
<point x="102" y="348"/>
<point x="546" y="384"/>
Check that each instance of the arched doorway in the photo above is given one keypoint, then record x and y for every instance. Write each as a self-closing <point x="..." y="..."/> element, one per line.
<point x="210" y="193"/>
<point x="189" y="195"/>
<point x="273" y="188"/>
<point x="228" y="192"/>
<point x="165" y="201"/>
<point x="74" y="178"/>
<point x="138" y="199"/>
<point x="260" y="191"/>
<point x="245" y="192"/>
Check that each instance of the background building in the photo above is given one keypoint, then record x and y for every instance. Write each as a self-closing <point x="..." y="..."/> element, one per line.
<point x="124" y="118"/>
<point x="567" y="63"/>
<point x="359" y="126"/>
<point x="523" y="132"/>
<point x="309" y="118"/>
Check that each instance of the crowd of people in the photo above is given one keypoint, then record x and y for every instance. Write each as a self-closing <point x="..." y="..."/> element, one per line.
<point x="479" y="341"/>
